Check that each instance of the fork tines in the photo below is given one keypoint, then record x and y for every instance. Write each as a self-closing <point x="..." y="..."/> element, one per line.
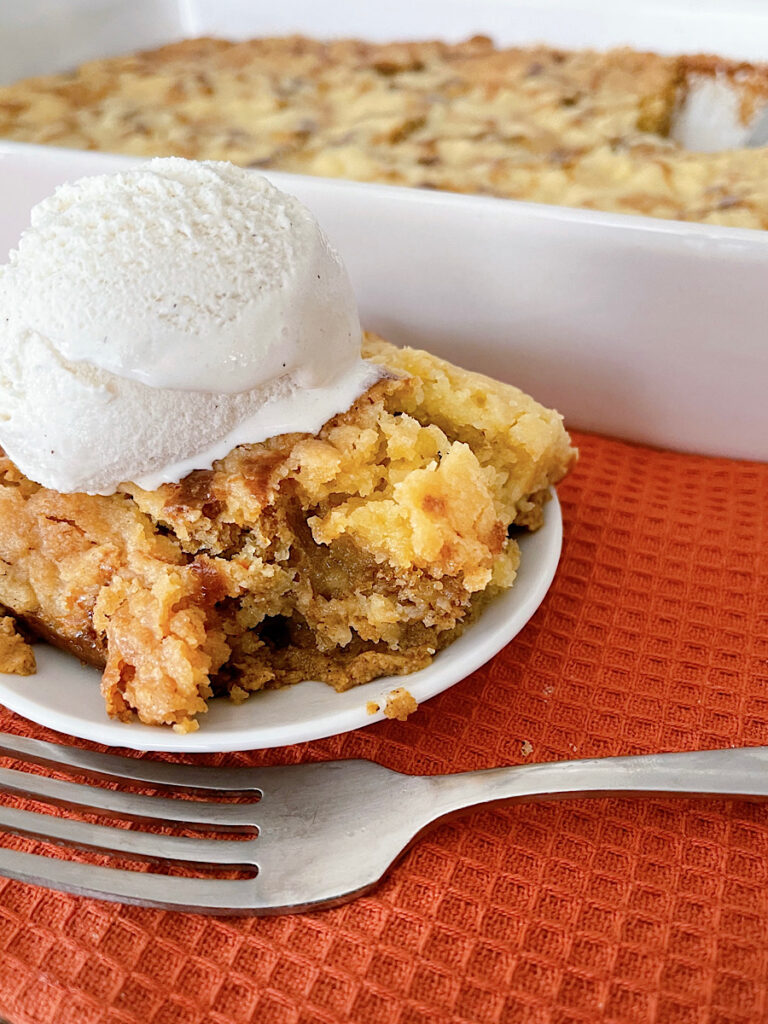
<point x="211" y="895"/>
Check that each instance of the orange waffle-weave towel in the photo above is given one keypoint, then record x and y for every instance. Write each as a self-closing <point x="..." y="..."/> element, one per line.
<point x="654" y="637"/>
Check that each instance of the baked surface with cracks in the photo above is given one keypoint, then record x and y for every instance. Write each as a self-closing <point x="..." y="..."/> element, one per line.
<point x="573" y="128"/>
<point x="354" y="553"/>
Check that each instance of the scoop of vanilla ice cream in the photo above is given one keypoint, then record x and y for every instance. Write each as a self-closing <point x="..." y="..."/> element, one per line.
<point x="153" y="319"/>
<point x="180" y="274"/>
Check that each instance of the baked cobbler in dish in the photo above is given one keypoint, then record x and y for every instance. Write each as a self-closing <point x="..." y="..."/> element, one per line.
<point x="577" y="128"/>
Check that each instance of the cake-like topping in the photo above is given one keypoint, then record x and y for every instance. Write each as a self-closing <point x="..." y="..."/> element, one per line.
<point x="154" y="319"/>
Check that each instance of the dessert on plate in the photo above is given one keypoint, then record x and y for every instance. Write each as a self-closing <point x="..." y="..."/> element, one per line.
<point x="211" y="482"/>
<point x="610" y="131"/>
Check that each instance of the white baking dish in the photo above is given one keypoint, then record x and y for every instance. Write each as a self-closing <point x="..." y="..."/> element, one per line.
<point x="645" y="329"/>
<point x="51" y="35"/>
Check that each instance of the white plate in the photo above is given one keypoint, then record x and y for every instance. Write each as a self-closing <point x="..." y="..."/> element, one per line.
<point x="64" y="695"/>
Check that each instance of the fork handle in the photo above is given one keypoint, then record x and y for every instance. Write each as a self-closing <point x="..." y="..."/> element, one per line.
<point x="738" y="773"/>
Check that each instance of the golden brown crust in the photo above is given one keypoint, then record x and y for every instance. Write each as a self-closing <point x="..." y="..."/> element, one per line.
<point x="87" y="647"/>
<point x="577" y="128"/>
<point x="351" y="554"/>
<point x="16" y="656"/>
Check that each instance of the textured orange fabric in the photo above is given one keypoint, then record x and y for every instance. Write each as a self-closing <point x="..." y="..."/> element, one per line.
<point x="654" y="637"/>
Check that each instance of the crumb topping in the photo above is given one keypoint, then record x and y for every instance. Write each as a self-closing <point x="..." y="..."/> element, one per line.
<point x="355" y="553"/>
<point x="576" y="128"/>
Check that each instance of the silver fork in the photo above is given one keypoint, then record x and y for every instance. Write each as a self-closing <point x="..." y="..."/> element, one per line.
<point x="326" y="832"/>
